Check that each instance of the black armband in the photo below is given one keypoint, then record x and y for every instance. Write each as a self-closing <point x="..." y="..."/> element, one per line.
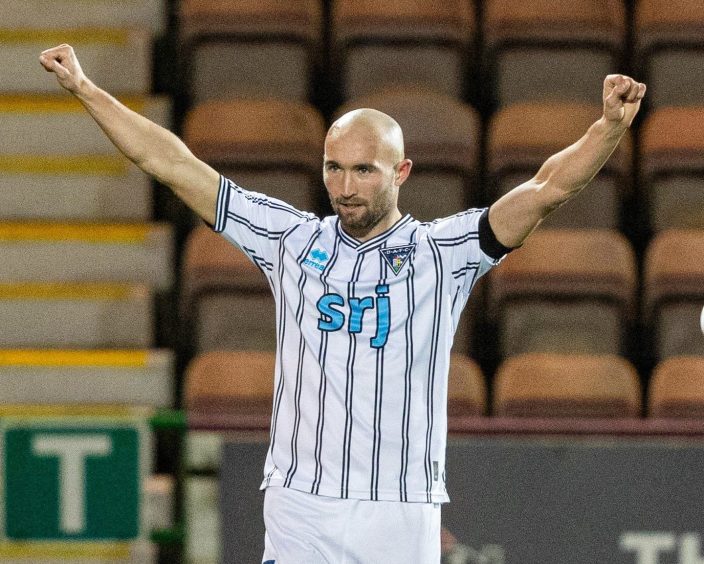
<point x="488" y="242"/>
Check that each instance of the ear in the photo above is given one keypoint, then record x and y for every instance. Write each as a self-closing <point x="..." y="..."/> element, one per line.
<point x="403" y="169"/>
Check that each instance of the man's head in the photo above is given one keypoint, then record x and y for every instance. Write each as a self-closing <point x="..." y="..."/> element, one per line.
<point x="363" y="167"/>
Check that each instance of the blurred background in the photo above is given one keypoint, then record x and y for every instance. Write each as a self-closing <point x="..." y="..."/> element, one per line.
<point x="137" y="347"/>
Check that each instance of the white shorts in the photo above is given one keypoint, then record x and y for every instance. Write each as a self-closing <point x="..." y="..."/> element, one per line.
<point x="303" y="528"/>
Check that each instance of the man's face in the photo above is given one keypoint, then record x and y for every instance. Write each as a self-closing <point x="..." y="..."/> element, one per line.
<point x="359" y="173"/>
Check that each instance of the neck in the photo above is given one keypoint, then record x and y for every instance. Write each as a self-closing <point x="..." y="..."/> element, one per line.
<point x="364" y="234"/>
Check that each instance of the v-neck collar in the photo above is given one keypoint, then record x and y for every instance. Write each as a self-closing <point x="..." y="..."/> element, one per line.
<point x="374" y="242"/>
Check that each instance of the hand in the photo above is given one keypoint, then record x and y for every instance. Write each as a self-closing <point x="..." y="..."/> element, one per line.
<point x="622" y="96"/>
<point x="63" y="62"/>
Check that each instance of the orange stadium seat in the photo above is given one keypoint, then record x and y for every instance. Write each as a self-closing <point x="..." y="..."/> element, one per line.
<point x="269" y="146"/>
<point x="226" y="302"/>
<point x="670" y="51"/>
<point x="251" y="48"/>
<point x="565" y="291"/>
<point x="522" y="136"/>
<point x="553" y="385"/>
<point x="676" y="388"/>
<point x="230" y="382"/>
<point x="672" y="167"/>
<point x="552" y="49"/>
<point x="376" y="45"/>
<point x="673" y="292"/>
<point x="466" y="393"/>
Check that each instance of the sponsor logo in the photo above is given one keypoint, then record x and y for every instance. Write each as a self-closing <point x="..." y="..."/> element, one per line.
<point x="317" y="259"/>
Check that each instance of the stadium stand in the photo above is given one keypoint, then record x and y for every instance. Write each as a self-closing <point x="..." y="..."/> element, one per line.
<point x="672" y="167"/>
<point x="466" y="393"/>
<point x="520" y="137"/>
<point x="401" y="42"/>
<point x="669" y="50"/>
<point x="673" y="292"/>
<point x="565" y="291"/>
<point x="217" y="278"/>
<point x="571" y="386"/>
<point x="273" y="146"/>
<point x="552" y="49"/>
<point x="227" y="44"/>
<point x="676" y="388"/>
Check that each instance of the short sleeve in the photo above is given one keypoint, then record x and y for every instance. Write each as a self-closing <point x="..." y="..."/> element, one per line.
<point x="254" y="222"/>
<point x="467" y="245"/>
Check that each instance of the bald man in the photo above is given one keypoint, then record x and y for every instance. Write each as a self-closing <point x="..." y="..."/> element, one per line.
<point x="367" y="304"/>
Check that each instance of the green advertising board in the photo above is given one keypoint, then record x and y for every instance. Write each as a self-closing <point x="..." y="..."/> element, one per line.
<point x="72" y="477"/>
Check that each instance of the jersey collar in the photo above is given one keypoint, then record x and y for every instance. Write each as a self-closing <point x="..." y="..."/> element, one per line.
<point x="374" y="242"/>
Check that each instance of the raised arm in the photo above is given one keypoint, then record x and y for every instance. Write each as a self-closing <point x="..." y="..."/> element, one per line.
<point x="155" y="150"/>
<point x="516" y="214"/>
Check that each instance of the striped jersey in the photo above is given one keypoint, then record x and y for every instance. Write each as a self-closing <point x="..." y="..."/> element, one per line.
<point x="364" y="331"/>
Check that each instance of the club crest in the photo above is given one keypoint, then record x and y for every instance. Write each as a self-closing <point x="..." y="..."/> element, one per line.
<point x="396" y="257"/>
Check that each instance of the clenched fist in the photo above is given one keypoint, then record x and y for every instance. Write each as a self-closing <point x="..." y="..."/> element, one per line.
<point x="622" y="96"/>
<point x="63" y="62"/>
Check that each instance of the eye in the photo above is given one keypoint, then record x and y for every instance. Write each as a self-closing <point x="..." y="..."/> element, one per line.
<point x="363" y="170"/>
<point x="332" y="167"/>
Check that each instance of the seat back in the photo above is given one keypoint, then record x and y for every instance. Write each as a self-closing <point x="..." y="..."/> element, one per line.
<point x="673" y="291"/>
<point x="466" y="394"/>
<point x="676" y="388"/>
<point x="565" y="291"/>
<point x="229" y="42"/>
<point x="222" y="382"/>
<point x="549" y="385"/>
<point x="522" y="136"/>
<point x="672" y="166"/>
<point x="377" y="45"/>
<point x="261" y="138"/>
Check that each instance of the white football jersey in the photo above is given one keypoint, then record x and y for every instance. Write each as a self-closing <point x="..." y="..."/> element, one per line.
<point x="364" y="331"/>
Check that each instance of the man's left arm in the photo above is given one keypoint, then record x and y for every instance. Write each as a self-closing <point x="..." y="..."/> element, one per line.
<point x="516" y="214"/>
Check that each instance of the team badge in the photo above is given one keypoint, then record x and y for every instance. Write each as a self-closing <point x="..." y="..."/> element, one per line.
<point x="396" y="257"/>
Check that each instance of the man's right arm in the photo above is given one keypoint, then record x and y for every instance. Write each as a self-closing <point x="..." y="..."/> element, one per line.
<point x="155" y="150"/>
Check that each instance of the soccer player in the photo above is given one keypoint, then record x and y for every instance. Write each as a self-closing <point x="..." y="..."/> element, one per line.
<point x="367" y="302"/>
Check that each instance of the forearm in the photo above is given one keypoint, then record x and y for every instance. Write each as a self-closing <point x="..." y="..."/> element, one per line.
<point x="565" y="173"/>
<point x="148" y="145"/>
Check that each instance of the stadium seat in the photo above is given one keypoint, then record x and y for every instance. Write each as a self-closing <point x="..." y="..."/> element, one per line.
<point x="376" y="45"/>
<point x="676" y="388"/>
<point x="553" y="385"/>
<point x="269" y="146"/>
<point x="226" y="302"/>
<point x="669" y="50"/>
<point x="87" y="252"/>
<point x="552" y="49"/>
<point x="442" y="137"/>
<point x="522" y="136"/>
<point x="672" y="167"/>
<point x="69" y="377"/>
<point x="230" y="382"/>
<point x="119" y="60"/>
<point x="565" y="291"/>
<point x="251" y="48"/>
<point x="673" y="292"/>
<point x="84" y="315"/>
<point x="466" y="393"/>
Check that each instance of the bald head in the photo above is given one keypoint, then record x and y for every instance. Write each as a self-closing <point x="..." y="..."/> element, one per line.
<point x="373" y="127"/>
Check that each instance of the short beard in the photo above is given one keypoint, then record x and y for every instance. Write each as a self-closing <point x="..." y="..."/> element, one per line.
<point x="374" y="212"/>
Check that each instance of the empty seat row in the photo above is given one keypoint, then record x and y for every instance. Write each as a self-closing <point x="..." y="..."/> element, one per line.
<point x="563" y="291"/>
<point x="275" y="147"/>
<point x="536" y="50"/>
<point x="235" y="385"/>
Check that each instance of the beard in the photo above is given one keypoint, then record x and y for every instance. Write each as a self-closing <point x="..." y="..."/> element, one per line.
<point x="357" y="216"/>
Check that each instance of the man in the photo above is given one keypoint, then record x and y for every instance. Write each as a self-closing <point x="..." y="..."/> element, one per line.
<point x="367" y="302"/>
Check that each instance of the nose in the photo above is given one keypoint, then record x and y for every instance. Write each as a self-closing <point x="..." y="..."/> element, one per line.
<point x="348" y="186"/>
